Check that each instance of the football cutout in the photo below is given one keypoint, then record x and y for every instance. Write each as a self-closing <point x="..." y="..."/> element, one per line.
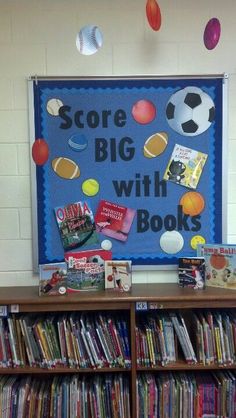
<point x="190" y="111"/>
<point x="65" y="168"/>
<point x="155" y="145"/>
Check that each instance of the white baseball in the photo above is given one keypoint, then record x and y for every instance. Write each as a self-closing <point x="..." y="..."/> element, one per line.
<point x="171" y="242"/>
<point x="89" y="40"/>
<point x="106" y="244"/>
<point x="53" y="106"/>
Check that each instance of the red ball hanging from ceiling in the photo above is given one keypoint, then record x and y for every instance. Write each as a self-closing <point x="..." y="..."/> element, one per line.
<point x="153" y="13"/>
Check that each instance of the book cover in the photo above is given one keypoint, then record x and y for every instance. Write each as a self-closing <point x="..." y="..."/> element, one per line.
<point x="114" y="220"/>
<point x="220" y="261"/>
<point x="118" y="275"/>
<point x="191" y="272"/>
<point x="86" y="269"/>
<point x="52" y="279"/>
<point x="185" y="166"/>
<point x="76" y="225"/>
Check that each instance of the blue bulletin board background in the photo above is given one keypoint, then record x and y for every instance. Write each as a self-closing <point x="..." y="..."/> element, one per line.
<point x="122" y="161"/>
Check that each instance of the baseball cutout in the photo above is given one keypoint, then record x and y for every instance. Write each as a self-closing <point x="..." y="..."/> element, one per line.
<point x="171" y="242"/>
<point x="155" y="145"/>
<point x="89" y="40"/>
<point x="106" y="244"/>
<point x="53" y="106"/>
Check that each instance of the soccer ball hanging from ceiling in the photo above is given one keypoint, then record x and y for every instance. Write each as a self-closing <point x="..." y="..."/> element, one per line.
<point x="190" y="111"/>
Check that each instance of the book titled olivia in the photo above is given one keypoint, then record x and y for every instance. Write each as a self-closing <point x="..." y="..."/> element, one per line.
<point x="114" y="220"/>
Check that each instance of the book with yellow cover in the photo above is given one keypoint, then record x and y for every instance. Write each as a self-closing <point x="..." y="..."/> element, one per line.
<point x="185" y="166"/>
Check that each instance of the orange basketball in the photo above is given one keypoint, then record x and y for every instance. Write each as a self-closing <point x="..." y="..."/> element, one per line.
<point x="192" y="203"/>
<point x="110" y="278"/>
<point x="218" y="261"/>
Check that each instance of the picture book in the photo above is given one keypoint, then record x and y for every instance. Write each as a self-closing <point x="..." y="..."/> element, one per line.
<point x="118" y="275"/>
<point x="191" y="271"/>
<point x="52" y="279"/>
<point x="86" y="270"/>
<point x="185" y="166"/>
<point x="76" y="225"/>
<point x="220" y="260"/>
<point x="114" y="220"/>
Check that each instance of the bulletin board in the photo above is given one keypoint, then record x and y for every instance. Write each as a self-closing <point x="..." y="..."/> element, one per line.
<point x="152" y="144"/>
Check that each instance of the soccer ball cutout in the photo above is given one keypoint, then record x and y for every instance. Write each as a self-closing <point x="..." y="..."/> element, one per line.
<point x="190" y="111"/>
<point x="96" y="259"/>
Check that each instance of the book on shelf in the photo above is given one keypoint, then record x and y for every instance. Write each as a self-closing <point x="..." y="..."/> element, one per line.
<point x="86" y="270"/>
<point x="191" y="272"/>
<point x="185" y="166"/>
<point x="220" y="264"/>
<point x="76" y="225"/>
<point x="118" y="275"/>
<point x="114" y="220"/>
<point x="52" y="279"/>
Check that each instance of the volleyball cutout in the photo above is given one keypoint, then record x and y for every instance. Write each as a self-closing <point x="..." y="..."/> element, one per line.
<point x="155" y="145"/>
<point x="190" y="111"/>
<point x="53" y="106"/>
<point x="90" y="187"/>
<point x="143" y="111"/>
<point x="40" y="151"/>
<point x="218" y="261"/>
<point x="89" y="40"/>
<point x="65" y="168"/>
<point x="78" y="142"/>
<point x="192" y="203"/>
<point x="171" y="242"/>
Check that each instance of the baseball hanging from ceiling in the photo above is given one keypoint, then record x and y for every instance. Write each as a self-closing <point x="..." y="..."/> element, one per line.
<point x="89" y="40"/>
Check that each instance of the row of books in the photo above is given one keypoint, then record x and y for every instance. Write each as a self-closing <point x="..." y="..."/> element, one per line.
<point x="186" y="395"/>
<point x="64" y="397"/>
<point x="216" y="337"/>
<point x="76" y="340"/>
<point x="157" y="336"/>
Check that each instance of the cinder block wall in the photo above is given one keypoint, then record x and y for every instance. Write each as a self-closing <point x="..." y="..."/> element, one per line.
<point x="38" y="37"/>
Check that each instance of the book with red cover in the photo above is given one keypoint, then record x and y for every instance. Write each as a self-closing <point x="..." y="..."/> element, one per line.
<point x="114" y="220"/>
<point x="86" y="269"/>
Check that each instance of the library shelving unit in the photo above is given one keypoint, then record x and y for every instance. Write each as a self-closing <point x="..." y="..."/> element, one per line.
<point x="141" y="298"/>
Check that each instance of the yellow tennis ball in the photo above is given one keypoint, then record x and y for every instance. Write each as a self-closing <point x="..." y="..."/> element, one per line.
<point x="90" y="187"/>
<point x="197" y="239"/>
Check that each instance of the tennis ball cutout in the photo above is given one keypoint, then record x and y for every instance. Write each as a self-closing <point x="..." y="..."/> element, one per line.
<point x="90" y="187"/>
<point x="192" y="203"/>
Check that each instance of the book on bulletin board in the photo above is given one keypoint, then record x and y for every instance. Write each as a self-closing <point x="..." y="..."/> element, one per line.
<point x="52" y="279"/>
<point x="118" y="275"/>
<point x="76" y="225"/>
<point x="185" y="166"/>
<point x="191" y="272"/>
<point x="86" y="270"/>
<point x="220" y="260"/>
<point x="114" y="220"/>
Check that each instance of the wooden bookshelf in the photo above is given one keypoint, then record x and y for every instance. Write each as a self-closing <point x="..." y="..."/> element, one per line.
<point x="160" y="296"/>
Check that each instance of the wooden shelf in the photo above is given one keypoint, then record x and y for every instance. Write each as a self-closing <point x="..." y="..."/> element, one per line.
<point x="166" y="296"/>
<point x="160" y="296"/>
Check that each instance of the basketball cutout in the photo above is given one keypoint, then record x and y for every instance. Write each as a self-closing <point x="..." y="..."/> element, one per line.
<point x="218" y="261"/>
<point x="192" y="203"/>
<point x="65" y="168"/>
<point x="155" y="145"/>
<point x="110" y="278"/>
